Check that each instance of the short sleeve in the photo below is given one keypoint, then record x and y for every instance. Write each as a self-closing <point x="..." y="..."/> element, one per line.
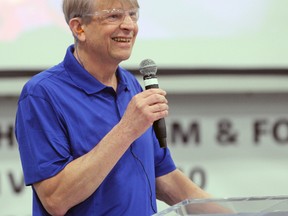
<point x="164" y="163"/>
<point x="42" y="140"/>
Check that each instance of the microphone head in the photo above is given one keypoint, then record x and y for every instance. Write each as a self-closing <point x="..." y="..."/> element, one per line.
<point x="148" y="67"/>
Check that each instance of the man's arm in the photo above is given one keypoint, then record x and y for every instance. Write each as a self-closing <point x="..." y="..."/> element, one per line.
<point x="176" y="187"/>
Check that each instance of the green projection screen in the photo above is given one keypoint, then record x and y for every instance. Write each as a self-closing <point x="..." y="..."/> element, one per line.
<point x="176" y="34"/>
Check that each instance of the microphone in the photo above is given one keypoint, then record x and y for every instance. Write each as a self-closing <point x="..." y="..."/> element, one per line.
<point x="148" y="69"/>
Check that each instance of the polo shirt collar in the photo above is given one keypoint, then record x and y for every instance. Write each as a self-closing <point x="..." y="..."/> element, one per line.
<point x="83" y="79"/>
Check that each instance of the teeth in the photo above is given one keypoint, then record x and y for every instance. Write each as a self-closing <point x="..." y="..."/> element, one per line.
<point x="121" y="40"/>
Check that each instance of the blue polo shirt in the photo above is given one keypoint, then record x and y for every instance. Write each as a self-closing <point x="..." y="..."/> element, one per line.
<point x="63" y="112"/>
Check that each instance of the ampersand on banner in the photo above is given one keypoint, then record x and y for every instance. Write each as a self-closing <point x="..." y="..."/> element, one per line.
<point x="225" y="135"/>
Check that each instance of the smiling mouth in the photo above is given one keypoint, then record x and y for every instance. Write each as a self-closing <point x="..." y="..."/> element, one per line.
<point x="122" y="40"/>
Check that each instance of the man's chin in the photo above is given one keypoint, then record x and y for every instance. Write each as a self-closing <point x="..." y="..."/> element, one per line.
<point x="124" y="57"/>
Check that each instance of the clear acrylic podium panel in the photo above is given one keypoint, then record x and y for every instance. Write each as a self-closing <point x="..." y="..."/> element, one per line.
<point x="246" y="206"/>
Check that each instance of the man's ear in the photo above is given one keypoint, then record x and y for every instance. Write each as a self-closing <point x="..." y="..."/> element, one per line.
<point x="77" y="29"/>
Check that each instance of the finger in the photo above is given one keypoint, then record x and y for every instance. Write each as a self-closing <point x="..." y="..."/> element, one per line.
<point x="155" y="99"/>
<point x="159" y="115"/>
<point x="159" y="108"/>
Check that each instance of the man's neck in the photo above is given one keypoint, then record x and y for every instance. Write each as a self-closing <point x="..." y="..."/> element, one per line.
<point x="104" y="72"/>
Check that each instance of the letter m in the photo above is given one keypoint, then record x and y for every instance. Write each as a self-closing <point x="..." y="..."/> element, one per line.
<point x="185" y="136"/>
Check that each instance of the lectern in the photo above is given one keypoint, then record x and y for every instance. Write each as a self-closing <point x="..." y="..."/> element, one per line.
<point x="243" y="206"/>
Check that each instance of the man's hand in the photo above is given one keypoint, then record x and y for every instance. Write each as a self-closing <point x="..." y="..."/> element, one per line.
<point x="145" y="108"/>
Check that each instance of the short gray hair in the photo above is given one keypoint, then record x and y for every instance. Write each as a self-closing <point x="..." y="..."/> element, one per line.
<point x="77" y="8"/>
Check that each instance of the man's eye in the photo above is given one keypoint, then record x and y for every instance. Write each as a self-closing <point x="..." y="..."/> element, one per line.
<point x="133" y="14"/>
<point x="114" y="16"/>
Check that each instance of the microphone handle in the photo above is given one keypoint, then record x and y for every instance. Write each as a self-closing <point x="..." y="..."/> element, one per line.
<point x="160" y="131"/>
<point x="159" y="126"/>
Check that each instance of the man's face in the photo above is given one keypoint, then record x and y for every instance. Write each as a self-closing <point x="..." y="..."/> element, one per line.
<point x="110" y="38"/>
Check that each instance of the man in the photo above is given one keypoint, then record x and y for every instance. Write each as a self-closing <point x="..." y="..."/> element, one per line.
<point x="84" y="126"/>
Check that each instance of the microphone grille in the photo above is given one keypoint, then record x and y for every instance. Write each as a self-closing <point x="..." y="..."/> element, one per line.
<point x="148" y="67"/>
